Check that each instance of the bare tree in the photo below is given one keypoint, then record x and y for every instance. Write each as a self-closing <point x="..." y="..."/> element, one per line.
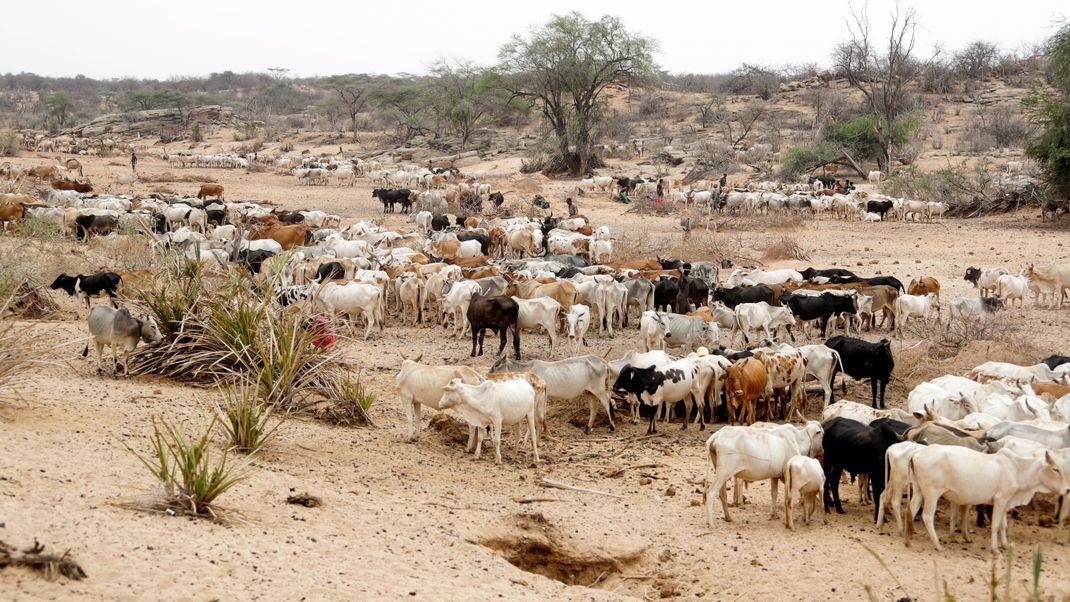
<point x="881" y="73"/>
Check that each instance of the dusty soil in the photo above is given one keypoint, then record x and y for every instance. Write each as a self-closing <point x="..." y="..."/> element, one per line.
<point x="425" y="520"/>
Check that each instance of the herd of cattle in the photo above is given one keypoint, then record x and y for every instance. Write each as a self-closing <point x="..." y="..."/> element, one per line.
<point x="995" y="436"/>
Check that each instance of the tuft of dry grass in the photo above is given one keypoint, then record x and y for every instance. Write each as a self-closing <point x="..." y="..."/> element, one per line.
<point x="188" y="178"/>
<point x="14" y="353"/>
<point x="347" y="401"/>
<point x="785" y="247"/>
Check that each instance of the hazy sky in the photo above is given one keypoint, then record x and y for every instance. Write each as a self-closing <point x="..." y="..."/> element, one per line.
<point x="148" y="38"/>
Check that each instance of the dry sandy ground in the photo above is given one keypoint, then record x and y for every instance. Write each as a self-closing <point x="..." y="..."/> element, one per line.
<point x="407" y="520"/>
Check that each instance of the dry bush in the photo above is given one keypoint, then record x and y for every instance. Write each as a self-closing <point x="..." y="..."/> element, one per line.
<point x="27" y="297"/>
<point x="15" y="348"/>
<point x="128" y="252"/>
<point x="642" y="245"/>
<point x="785" y="247"/>
<point x="346" y="402"/>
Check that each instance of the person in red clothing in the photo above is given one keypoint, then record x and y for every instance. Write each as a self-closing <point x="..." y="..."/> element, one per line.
<point x="322" y="338"/>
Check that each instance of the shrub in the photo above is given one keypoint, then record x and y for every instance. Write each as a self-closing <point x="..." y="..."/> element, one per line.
<point x="245" y="419"/>
<point x="348" y="401"/>
<point x="786" y="247"/>
<point x="14" y="351"/>
<point x="196" y="133"/>
<point x="535" y="162"/>
<point x="39" y="228"/>
<point x="9" y="145"/>
<point x="181" y="461"/>
<point x="651" y="104"/>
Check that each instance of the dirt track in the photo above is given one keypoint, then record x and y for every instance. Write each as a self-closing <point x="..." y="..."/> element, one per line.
<point x="402" y="521"/>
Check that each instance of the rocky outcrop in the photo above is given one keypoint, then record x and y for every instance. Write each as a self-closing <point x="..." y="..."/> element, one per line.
<point x="153" y="122"/>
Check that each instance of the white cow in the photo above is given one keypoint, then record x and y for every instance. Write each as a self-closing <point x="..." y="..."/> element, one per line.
<point x="821" y="365"/>
<point x="568" y="379"/>
<point x="1013" y="373"/>
<point x="754" y="454"/>
<point x="652" y="328"/>
<point x="494" y="404"/>
<point x="578" y="320"/>
<point x="804" y="480"/>
<point x="419" y="384"/>
<point x="352" y="299"/>
<point x="540" y="312"/>
<point x="916" y="306"/>
<point x="1010" y="288"/>
<point x="455" y="303"/>
<point x="968" y="478"/>
<point x="896" y="480"/>
<point x="764" y="317"/>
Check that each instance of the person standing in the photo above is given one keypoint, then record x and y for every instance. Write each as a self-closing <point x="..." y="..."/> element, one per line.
<point x="573" y="210"/>
<point x="133" y="160"/>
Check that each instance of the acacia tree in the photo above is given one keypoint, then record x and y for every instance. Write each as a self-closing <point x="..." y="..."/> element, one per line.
<point x="462" y="96"/>
<point x="59" y="107"/>
<point x="352" y="90"/>
<point x="563" y="69"/>
<point x="1051" y="112"/>
<point x="881" y="71"/>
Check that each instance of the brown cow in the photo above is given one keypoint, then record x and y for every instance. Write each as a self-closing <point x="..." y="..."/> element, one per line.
<point x="208" y="190"/>
<point x="44" y="172"/>
<point x="83" y="187"/>
<point x="482" y="272"/>
<point x="561" y="291"/>
<point x="497" y="241"/>
<point x="884" y="298"/>
<point x="11" y="212"/>
<point x="636" y="264"/>
<point x="744" y="383"/>
<point x="1052" y="390"/>
<point x="923" y="286"/>
<point x="472" y="262"/>
<point x="287" y="236"/>
<point x="74" y="165"/>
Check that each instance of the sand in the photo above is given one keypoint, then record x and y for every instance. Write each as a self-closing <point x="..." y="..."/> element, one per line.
<point x="410" y="521"/>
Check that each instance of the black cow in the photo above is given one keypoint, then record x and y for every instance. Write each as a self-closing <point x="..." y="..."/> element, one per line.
<point x="497" y="198"/>
<point x="332" y="270"/>
<point x="732" y="297"/>
<point x="862" y="359"/>
<point x="216" y="216"/>
<point x="667" y="293"/>
<point x="972" y="275"/>
<point x="91" y="285"/>
<point x="673" y="264"/>
<point x="484" y="240"/>
<point x="818" y="307"/>
<point x="859" y="449"/>
<point x="289" y="217"/>
<point x="891" y="281"/>
<point x="440" y="222"/>
<point x="811" y="273"/>
<point x="254" y="258"/>
<point x="570" y="271"/>
<point x="159" y="223"/>
<point x="95" y="224"/>
<point x="391" y="197"/>
<point x="698" y="292"/>
<point x="1054" y="361"/>
<point x="498" y="313"/>
<point x="648" y="380"/>
<point x="826" y="181"/>
<point x="880" y="207"/>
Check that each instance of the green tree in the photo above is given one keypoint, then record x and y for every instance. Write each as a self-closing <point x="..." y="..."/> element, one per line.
<point x="352" y="90"/>
<point x="565" y="67"/>
<point x="848" y="143"/>
<point x="463" y="96"/>
<point x="330" y="108"/>
<point x="1051" y="113"/>
<point x="881" y="72"/>
<point x="58" y="107"/>
<point x="409" y="107"/>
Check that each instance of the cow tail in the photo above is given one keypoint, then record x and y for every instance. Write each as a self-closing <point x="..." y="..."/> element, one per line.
<point x="908" y="512"/>
<point x="711" y="459"/>
<point x="85" y="352"/>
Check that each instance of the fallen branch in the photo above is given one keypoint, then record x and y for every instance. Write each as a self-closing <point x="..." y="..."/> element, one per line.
<point x="532" y="500"/>
<point x="544" y="482"/>
<point x="616" y="473"/>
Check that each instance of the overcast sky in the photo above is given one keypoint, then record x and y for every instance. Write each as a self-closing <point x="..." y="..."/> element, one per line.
<point x="148" y="38"/>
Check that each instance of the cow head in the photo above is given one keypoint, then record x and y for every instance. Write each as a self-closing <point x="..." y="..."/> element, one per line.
<point x="65" y="282"/>
<point x="576" y="314"/>
<point x="991" y="304"/>
<point x="150" y="333"/>
<point x="972" y="275"/>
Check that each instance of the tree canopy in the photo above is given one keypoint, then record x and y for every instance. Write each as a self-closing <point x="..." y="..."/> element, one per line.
<point x="564" y="68"/>
<point x="1051" y="113"/>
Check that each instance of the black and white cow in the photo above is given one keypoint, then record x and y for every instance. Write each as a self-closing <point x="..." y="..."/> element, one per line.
<point x="92" y="285"/>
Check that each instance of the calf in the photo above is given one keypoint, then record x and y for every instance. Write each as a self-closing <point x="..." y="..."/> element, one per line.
<point x="209" y="190"/>
<point x="542" y="312"/>
<point x="917" y="306"/>
<point x="862" y="359"/>
<point x="419" y="384"/>
<point x="92" y="285"/>
<point x="973" y="308"/>
<point x="969" y="478"/>
<point x="804" y="480"/>
<point x="985" y="279"/>
<point x="859" y="449"/>
<point x="100" y="225"/>
<point x="494" y="404"/>
<point x="499" y="314"/>
<point x="117" y="328"/>
<point x="923" y="286"/>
